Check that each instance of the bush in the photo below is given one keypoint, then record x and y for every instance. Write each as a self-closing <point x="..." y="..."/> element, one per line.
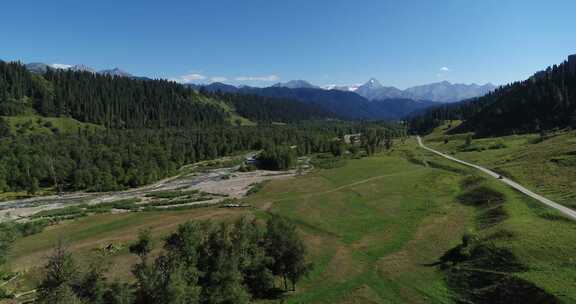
<point x="31" y="228"/>
<point x="497" y="145"/>
<point x="481" y="196"/>
<point x="256" y="187"/>
<point x="471" y="181"/>
<point x="170" y="194"/>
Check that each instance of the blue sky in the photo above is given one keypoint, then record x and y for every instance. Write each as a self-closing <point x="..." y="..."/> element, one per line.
<point x="259" y="42"/>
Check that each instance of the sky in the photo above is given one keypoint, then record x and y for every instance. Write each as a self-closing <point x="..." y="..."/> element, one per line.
<point x="260" y="42"/>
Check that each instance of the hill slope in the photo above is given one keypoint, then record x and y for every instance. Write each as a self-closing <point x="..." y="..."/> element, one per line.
<point x="545" y="101"/>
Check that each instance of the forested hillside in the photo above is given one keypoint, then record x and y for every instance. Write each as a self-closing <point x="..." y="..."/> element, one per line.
<point x="140" y="130"/>
<point x="545" y="101"/>
<point x="266" y="110"/>
<point x="114" y="102"/>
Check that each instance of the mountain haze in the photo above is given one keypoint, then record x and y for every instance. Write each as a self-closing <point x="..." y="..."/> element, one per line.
<point x="439" y="92"/>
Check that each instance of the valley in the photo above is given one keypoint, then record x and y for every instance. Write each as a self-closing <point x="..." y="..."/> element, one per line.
<point x="288" y="152"/>
<point x="378" y="230"/>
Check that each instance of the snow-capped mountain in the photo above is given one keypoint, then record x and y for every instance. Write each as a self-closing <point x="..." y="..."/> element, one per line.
<point x="39" y="67"/>
<point x="374" y="90"/>
<point x="449" y="92"/>
<point x="346" y="88"/>
<point x="82" y="68"/>
<point x="439" y="91"/>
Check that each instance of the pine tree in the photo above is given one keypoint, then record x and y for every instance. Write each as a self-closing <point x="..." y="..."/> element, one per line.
<point x="60" y="274"/>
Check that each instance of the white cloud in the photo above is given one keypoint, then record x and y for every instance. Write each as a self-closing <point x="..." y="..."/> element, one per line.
<point x="218" y="79"/>
<point x="444" y="69"/>
<point x="189" y="78"/>
<point x="258" y="78"/>
<point x="61" y="66"/>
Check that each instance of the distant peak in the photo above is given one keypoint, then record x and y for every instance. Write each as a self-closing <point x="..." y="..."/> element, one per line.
<point x="116" y="72"/>
<point x="373" y="82"/>
<point x="296" y="84"/>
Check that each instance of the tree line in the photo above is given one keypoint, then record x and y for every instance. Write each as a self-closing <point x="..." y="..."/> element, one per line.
<point x="202" y="262"/>
<point x="113" y="102"/>
<point x="268" y="110"/>
<point x="123" y="102"/>
<point x="96" y="160"/>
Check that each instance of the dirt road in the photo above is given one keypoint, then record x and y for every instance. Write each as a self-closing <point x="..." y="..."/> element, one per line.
<point x="564" y="210"/>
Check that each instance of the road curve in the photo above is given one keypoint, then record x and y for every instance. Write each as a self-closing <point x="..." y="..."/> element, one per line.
<point x="564" y="210"/>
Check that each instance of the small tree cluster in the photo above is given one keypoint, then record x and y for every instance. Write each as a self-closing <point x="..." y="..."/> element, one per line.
<point x="200" y="263"/>
<point x="278" y="158"/>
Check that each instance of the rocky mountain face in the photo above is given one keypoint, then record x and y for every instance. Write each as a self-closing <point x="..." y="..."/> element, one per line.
<point x="117" y="72"/>
<point x="439" y="92"/>
<point x="295" y="84"/>
<point x="374" y="90"/>
<point x="344" y="103"/>
<point x="448" y="92"/>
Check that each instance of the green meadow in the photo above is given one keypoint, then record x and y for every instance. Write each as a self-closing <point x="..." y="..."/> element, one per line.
<point x="375" y="229"/>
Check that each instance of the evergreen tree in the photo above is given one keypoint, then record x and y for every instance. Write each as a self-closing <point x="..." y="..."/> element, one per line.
<point x="60" y="274"/>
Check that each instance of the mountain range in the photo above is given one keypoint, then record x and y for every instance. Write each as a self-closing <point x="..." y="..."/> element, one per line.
<point x="373" y="90"/>
<point x="371" y="100"/>
<point x="38" y="67"/>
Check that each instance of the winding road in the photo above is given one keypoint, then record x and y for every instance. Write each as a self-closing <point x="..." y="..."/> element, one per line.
<point x="564" y="210"/>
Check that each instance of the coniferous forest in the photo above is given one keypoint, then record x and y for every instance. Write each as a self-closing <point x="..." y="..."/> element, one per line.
<point x="149" y="128"/>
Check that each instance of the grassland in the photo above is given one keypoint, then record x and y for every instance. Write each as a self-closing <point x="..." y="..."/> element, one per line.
<point x="545" y="165"/>
<point x="34" y="124"/>
<point x="375" y="228"/>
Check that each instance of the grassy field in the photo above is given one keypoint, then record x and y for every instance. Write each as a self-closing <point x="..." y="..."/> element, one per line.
<point x="375" y="229"/>
<point x="372" y="227"/>
<point x="34" y="124"/>
<point x="547" y="166"/>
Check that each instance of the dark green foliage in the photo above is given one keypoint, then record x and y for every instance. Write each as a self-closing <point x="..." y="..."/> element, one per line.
<point x="31" y="227"/>
<point x="169" y="125"/>
<point x="114" y="160"/>
<point x="200" y="263"/>
<point x="481" y="196"/>
<point x="267" y="110"/>
<point x="119" y="293"/>
<point x="62" y="213"/>
<point x="277" y="158"/>
<point x="8" y="234"/>
<point x="222" y="279"/>
<point x="59" y="278"/>
<point x="92" y="286"/>
<point x="337" y="148"/>
<point x="257" y="187"/>
<point x="479" y="272"/>
<point x="218" y="263"/>
<point x="287" y="250"/>
<point x="489" y="203"/>
<point x="170" y="194"/>
<point x="468" y="141"/>
<point x="471" y="181"/>
<point x="4" y="128"/>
